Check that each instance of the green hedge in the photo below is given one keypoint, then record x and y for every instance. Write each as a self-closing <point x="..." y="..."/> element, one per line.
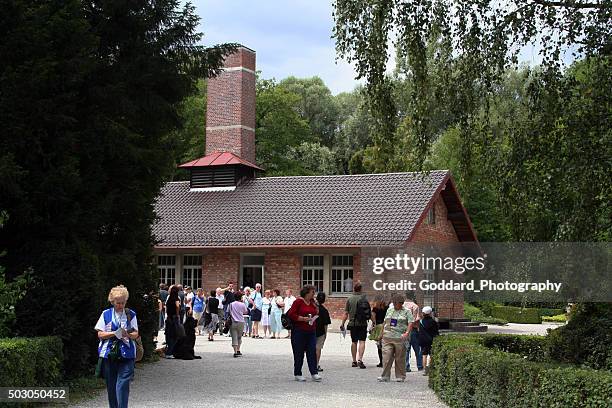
<point x="551" y="312"/>
<point x="466" y="373"/>
<point x="28" y="362"/>
<point x="555" y="319"/>
<point x="516" y="314"/>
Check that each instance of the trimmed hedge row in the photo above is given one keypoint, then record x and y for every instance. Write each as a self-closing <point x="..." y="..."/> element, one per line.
<point x="29" y="362"/>
<point x="466" y="373"/>
<point x="516" y="314"/>
<point x="551" y="312"/>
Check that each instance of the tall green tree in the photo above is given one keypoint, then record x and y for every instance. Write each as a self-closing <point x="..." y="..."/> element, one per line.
<point x="485" y="38"/>
<point x="316" y="105"/>
<point x="90" y="91"/>
<point x="279" y="129"/>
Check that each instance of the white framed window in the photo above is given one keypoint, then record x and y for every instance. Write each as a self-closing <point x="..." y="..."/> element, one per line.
<point x="428" y="295"/>
<point x="192" y="271"/>
<point x="431" y="215"/>
<point x="313" y="271"/>
<point x="342" y="274"/>
<point x="166" y="267"/>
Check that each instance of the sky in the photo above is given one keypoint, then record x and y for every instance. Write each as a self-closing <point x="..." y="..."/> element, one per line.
<point x="290" y="37"/>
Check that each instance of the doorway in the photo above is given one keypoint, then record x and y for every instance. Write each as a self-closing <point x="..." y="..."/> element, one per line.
<point x="251" y="270"/>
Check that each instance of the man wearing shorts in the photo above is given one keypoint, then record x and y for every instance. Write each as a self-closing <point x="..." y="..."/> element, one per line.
<point x="357" y="327"/>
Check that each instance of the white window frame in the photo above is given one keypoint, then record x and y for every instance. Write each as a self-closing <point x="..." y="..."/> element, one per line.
<point x="343" y="270"/>
<point x="318" y="283"/>
<point x="167" y="272"/>
<point x="429" y="295"/>
<point x="192" y="274"/>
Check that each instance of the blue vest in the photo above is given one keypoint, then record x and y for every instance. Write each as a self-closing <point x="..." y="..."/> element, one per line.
<point x="198" y="304"/>
<point x="127" y="350"/>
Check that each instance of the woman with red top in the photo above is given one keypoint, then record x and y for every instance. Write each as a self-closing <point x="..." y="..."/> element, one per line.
<point x="303" y="314"/>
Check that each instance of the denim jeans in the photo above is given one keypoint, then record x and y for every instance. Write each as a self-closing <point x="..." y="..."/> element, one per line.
<point x="304" y="341"/>
<point x="118" y="375"/>
<point x="414" y="344"/>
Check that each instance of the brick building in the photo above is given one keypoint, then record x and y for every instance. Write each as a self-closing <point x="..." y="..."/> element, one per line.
<point x="227" y="223"/>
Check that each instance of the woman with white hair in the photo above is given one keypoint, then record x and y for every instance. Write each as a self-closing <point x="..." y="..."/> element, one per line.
<point x="117" y="329"/>
<point x="428" y="330"/>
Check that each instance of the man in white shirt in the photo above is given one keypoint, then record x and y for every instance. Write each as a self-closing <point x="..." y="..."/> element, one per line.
<point x="348" y="284"/>
<point x="288" y="301"/>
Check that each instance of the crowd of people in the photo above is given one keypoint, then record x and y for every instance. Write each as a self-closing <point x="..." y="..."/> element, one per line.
<point x="258" y="315"/>
<point x="397" y="325"/>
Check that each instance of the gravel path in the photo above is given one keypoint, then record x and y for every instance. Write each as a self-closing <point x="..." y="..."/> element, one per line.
<point x="264" y="377"/>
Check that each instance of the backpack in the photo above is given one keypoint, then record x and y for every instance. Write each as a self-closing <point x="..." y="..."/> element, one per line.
<point x="363" y="312"/>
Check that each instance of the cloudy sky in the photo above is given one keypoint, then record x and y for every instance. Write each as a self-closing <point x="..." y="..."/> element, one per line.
<point x="291" y="37"/>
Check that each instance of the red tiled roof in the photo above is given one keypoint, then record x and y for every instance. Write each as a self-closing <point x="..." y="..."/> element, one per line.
<point x="219" y="159"/>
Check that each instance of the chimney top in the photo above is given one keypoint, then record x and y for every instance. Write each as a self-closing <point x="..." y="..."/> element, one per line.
<point x="230" y="110"/>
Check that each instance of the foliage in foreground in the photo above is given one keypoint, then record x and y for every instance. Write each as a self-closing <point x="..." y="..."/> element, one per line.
<point x="90" y="92"/>
<point x="31" y="362"/>
<point x="511" y="371"/>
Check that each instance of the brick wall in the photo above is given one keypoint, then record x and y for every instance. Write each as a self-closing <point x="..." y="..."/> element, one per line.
<point x="448" y="304"/>
<point x="230" y="112"/>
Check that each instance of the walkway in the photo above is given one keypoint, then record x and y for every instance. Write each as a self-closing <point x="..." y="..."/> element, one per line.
<point x="264" y="378"/>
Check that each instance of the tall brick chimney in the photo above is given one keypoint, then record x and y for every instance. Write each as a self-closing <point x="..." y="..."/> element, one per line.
<point x="230" y="110"/>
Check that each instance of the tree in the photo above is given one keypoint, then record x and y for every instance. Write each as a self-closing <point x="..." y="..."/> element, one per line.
<point x="189" y="140"/>
<point x="90" y="92"/>
<point x="316" y="105"/>
<point x="279" y="128"/>
<point x="485" y="38"/>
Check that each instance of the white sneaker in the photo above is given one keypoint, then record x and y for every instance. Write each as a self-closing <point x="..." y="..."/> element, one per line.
<point x="383" y="379"/>
<point x="300" y="378"/>
<point x="316" y="377"/>
<point x="399" y="379"/>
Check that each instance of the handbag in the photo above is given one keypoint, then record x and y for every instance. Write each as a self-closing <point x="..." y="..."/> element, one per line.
<point x="228" y="322"/>
<point x="376" y="332"/>
<point x="99" y="373"/>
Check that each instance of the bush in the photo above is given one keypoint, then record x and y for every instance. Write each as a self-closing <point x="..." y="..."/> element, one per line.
<point x="516" y="314"/>
<point x="467" y="373"/>
<point x="555" y="319"/>
<point x="472" y="312"/>
<point x="533" y="348"/>
<point x="491" y="320"/>
<point x="586" y="339"/>
<point x="29" y="362"/>
<point x="551" y="312"/>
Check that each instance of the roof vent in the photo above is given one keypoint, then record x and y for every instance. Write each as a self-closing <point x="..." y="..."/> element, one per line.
<point x="219" y="171"/>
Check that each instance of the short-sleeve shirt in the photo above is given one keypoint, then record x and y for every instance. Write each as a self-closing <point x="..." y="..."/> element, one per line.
<point x="396" y="323"/>
<point x="238" y="310"/>
<point x="351" y="309"/>
<point x="322" y="321"/>
<point x="288" y="303"/>
<point x="213" y="305"/>
<point x="257" y="300"/>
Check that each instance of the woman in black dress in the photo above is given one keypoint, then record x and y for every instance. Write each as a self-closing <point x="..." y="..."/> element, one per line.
<point x="378" y="317"/>
<point x="173" y="304"/>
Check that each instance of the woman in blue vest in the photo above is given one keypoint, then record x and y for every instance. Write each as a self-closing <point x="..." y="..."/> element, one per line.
<point x="117" y="329"/>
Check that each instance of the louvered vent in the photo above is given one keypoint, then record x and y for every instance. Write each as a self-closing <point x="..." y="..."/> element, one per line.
<point x="213" y="177"/>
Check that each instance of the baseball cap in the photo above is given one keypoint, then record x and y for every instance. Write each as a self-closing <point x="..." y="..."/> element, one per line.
<point x="427" y="310"/>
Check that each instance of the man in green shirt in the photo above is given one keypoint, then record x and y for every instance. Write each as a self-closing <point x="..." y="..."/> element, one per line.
<point x="357" y="312"/>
